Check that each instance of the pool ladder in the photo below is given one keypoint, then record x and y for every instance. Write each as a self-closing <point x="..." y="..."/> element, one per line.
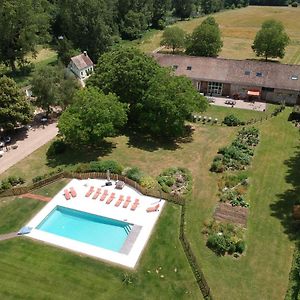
<point x="127" y="229"/>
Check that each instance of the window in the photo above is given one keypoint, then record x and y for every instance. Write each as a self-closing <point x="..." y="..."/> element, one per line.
<point x="215" y="88"/>
<point x="267" y="89"/>
<point x="294" y="77"/>
<point x="247" y="72"/>
<point x="189" y="68"/>
<point x="175" y="67"/>
<point x="259" y="74"/>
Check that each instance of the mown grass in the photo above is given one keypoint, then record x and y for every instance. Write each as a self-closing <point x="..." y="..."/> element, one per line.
<point x="31" y="270"/>
<point x="15" y="212"/>
<point x="262" y="273"/>
<point x="239" y="28"/>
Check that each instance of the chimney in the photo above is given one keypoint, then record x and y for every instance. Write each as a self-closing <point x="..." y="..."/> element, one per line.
<point x="85" y="53"/>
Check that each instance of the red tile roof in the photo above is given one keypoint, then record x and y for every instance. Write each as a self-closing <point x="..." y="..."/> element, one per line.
<point x="82" y="61"/>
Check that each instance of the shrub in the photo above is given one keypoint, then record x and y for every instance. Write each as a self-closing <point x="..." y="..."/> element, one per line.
<point x="178" y="180"/>
<point x="217" y="166"/>
<point x="218" y="243"/>
<point x="15" y="180"/>
<point x="57" y="147"/>
<point x="231" y="120"/>
<point x="148" y="182"/>
<point x="5" y="185"/>
<point x="134" y="173"/>
<point x="295" y="4"/>
<point x="240" y="246"/>
<point x="104" y="165"/>
<point x="38" y="178"/>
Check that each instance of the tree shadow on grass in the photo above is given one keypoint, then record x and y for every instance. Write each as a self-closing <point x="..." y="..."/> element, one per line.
<point x="282" y="209"/>
<point x="149" y="143"/>
<point x="80" y="155"/>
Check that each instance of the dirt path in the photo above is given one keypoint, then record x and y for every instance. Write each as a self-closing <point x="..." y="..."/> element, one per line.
<point x="37" y="197"/>
<point x="33" y="139"/>
<point x="8" y="236"/>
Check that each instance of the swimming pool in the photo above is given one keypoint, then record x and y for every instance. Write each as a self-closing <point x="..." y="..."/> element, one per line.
<point x="86" y="228"/>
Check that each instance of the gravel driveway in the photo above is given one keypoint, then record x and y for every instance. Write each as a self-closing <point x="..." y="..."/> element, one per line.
<point x="27" y="143"/>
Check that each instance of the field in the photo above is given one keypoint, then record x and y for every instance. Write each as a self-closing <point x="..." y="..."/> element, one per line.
<point x="262" y="273"/>
<point x="238" y="29"/>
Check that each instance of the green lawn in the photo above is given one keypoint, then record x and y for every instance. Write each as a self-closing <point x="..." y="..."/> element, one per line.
<point x="31" y="270"/>
<point x="262" y="273"/>
<point x="15" y="212"/>
<point x="238" y="29"/>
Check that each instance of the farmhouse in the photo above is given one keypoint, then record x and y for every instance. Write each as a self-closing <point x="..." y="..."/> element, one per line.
<point x="243" y="79"/>
<point x="81" y="65"/>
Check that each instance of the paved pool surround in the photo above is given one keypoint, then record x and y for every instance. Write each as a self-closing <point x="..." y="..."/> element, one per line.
<point x="142" y="222"/>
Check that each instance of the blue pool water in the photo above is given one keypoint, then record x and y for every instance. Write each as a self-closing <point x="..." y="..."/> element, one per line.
<point x="87" y="228"/>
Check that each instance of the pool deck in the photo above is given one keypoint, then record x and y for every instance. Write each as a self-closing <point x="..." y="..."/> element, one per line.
<point x="142" y="220"/>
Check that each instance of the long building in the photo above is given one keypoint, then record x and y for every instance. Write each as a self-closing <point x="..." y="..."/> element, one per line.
<point x="243" y="79"/>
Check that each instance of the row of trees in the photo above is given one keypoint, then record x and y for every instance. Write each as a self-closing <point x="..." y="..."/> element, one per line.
<point x="270" y="41"/>
<point x="130" y="88"/>
<point x="92" y="25"/>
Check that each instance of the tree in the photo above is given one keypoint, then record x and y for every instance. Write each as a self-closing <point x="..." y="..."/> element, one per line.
<point x="126" y="72"/>
<point x="183" y="8"/>
<point x="52" y="86"/>
<point x="88" y="24"/>
<point x="271" y="40"/>
<point x="92" y="117"/>
<point x="205" y="39"/>
<point x="173" y="37"/>
<point x="23" y="25"/>
<point x="160" y="11"/>
<point x="14" y="107"/>
<point x="65" y="50"/>
<point x="168" y="102"/>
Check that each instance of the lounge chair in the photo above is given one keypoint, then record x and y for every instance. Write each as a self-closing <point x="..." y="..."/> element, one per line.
<point x="96" y="194"/>
<point x="135" y="204"/>
<point x="89" y="192"/>
<point x="126" y="203"/>
<point x="73" y="192"/>
<point x="105" y="193"/>
<point x="153" y="208"/>
<point x="121" y="198"/>
<point x="111" y="198"/>
<point x="67" y="194"/>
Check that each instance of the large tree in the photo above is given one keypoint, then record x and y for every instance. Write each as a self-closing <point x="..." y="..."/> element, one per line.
<point x="14" y="108"/>
<point x="160" y="12"/>
<point x="126" y="72"/>
<point x="169" y="101"/>
<point x="173" y="37"/>
<point x="205" y="39"/>
<point x="92" y="117"/>
<point x="23" y="25"/>
<point x="183" y="8"/>
<point x="53" y="86"/>
<point x="88" y="24"/>
<point x="271" y="40"/>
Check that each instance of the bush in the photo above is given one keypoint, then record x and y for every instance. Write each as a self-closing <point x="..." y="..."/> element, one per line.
<point x="134" y="173"/>
<point x="5" y="185"/>
<point x="104" y="165"/>
<point x="177" y="180"/>
<point x="148" y="182"/>
<point x="218" y="243"/>
<point x="38" y="178"/>
<point x="295" y="4"/>
<point x="240" y="247"/>
<point x="15" y="180"/>
<point x="57" y="147"/>
<point x="231" y="120"/>
<point x="217" y="166"/>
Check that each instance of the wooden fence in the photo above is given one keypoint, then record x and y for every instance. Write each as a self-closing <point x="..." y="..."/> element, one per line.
<point x="199" y="276"/>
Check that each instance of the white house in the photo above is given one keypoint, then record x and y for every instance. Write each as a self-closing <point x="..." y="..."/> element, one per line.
<point x="81" y="65"/>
